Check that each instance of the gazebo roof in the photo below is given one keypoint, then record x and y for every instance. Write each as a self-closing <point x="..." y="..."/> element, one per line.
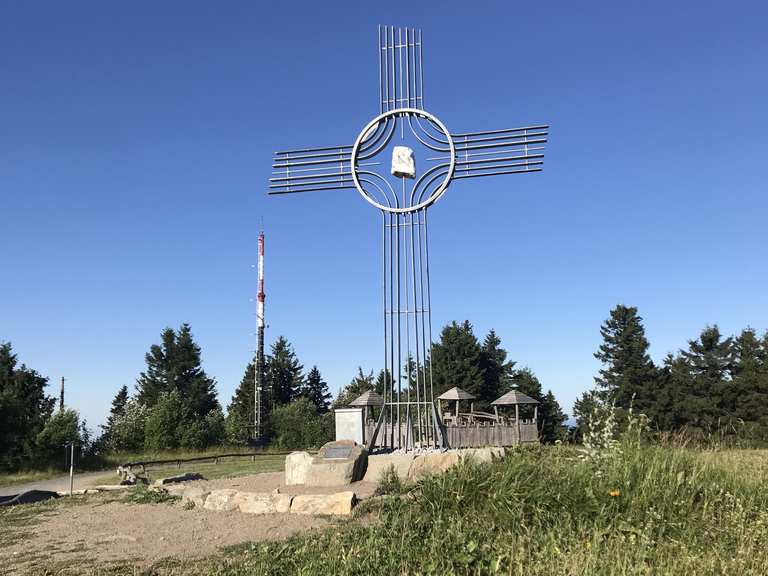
<point x="514" y="397"/>
<point x="456" y="393"/>
<point x="369" y="398"/>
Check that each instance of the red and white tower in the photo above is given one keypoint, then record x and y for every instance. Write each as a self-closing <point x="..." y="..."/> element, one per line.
<point x="259" y="368"/>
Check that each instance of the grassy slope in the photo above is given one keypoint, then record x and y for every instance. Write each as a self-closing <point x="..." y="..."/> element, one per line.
<point x="541" y="511"/>
<point x="649" y="510"/>
<point x="265" y="462"/>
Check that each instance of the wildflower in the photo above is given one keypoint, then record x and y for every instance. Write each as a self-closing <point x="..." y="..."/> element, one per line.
<point x="614" y="493"/>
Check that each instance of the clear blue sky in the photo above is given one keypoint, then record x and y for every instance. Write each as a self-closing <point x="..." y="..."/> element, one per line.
<point x="136" y="142"/>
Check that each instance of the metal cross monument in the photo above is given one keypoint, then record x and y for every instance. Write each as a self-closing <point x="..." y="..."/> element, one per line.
<point x="402" y="162"/>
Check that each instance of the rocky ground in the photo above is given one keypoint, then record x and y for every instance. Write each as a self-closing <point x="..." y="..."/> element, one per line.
<point x="99" y="531"/>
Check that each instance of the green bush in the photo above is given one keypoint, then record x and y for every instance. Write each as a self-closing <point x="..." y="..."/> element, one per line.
<point x="163" y="427"/>
<point x="62" y="428"/>
<point x="296" y="426"/>
<point x="127" y="430"/>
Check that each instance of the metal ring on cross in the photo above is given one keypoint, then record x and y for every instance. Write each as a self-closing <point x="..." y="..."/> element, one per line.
<point x="375" y="138"/>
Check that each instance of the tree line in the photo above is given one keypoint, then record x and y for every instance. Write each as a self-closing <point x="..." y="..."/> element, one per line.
<point x="716" y="384"/>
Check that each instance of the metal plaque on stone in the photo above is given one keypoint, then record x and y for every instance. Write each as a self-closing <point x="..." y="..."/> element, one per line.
<point x="338" y="453"/>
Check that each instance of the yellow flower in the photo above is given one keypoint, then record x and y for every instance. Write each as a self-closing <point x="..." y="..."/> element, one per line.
<point x="615" y="492"/>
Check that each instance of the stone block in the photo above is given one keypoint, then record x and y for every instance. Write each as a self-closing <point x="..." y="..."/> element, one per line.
<point x="433" y="463"/>
<point x="262" y="503"/>
<point x="378" y="463"/>
<point x="221" y="500"/>
<point x="483" y="455"/>
<point x="339" y="504"/>
<point x="196" y="495"/>
<point x="337" y="463"/>
<point x="296" y="466"/>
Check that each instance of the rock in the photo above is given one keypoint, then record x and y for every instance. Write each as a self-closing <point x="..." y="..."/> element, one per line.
<point x="196" y="495"/>
<point x="260" y="503"/>
<point x="482" y="455"/>
<point x="296" y="466"/>
<point x="339" y="504"/>
<point x="433" y="463"/>
<point x="180" y="478"/>
<point x="112" y="487"/>
<point x="379" y="463"/>
<point x="337" y="463"/>
<point x="221" y="500"/>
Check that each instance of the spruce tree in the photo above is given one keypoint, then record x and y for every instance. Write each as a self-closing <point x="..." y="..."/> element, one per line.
<point x="457" y="360"/>
<point x="240" y="412"/>
<point x="628" y="371"/>
<point x="750" y="381"/>
<point x="284" y="372"/>
<point x="118" y="407"/>
<point x="315" y="389"/>
<point x="196" y="389"/>
<point x="159" y="375"/>
<point x="175" y="364"/>
<point x="497" y="371"/>
<point x="707" y="396"/>
<point x="24" y="409"/>
<point x="552" y="425"/>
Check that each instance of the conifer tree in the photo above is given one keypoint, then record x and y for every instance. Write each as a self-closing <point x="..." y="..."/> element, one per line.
<point x="553" y="419"/>
<point x="159" y="375"/>
<point x="497" y="371"/>
<point x="24" y="409"/>
<point x="240" y="413"/>
<point x="628" y="371"/>
<point x="118" y="407"/>
<point x="284" y="372"/>
<point x="196" y="389"/>
<point x="457" y="360"/>
<point x="175" y="364"/>
<point x="750" y="380"/>
<point x="315" y="389"/>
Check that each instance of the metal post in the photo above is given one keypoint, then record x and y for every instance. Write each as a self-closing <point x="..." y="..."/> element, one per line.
<point x="71" y="467"/>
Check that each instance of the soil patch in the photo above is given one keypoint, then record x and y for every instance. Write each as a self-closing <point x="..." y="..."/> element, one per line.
<point x="96" y="532"/>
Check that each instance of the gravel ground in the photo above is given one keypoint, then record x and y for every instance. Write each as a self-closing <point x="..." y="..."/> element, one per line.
<point x="141" y="534"/>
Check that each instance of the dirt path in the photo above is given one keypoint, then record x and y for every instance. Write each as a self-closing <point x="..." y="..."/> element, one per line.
<point x="59" y="483"/>
<point x="102" y="531"/>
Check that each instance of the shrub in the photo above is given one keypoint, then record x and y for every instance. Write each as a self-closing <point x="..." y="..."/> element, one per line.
<point x="127" y="431"/>
<point x="297" y="426"/>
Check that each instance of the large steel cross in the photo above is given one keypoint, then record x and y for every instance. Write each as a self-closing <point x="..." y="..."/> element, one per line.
<point x="402" y="162"/>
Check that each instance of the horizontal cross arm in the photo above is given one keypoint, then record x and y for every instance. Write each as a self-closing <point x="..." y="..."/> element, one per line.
<point x="499" y="152"/>
<point x="311" y="169"/>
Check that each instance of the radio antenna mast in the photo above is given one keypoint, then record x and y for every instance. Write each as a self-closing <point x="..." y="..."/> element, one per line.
<point x="259" y="367"/>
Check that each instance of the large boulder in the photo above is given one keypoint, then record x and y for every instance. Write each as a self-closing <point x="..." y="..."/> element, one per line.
<point x="339" y="504"/>
<point x="221" y="500"/>
<point x="337" y="463"/>
<point x="260" y="503"/>
<point x="296" y="467"/>
<point x="378" y="464"/>
<point x="483" y="455"/>
<point x="195" y="495"/>
<point x="433" y="463"/>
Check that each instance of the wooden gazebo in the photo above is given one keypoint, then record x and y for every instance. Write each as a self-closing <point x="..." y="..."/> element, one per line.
<point x="455" y="394"/>
<point x="515" y="398"/>
<point x="368" y="399"/>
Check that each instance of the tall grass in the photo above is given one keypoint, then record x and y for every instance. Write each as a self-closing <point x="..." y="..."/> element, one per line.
<point x="547" y="510"/>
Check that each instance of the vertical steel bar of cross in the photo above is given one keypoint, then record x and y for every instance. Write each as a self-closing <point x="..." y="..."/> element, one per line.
<point x="384" y="301"/>
<point x="381" y="87"/>
<point x="422" y="315"/>
<point x="416" y="329"/>
<point x="421" y="71"/>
